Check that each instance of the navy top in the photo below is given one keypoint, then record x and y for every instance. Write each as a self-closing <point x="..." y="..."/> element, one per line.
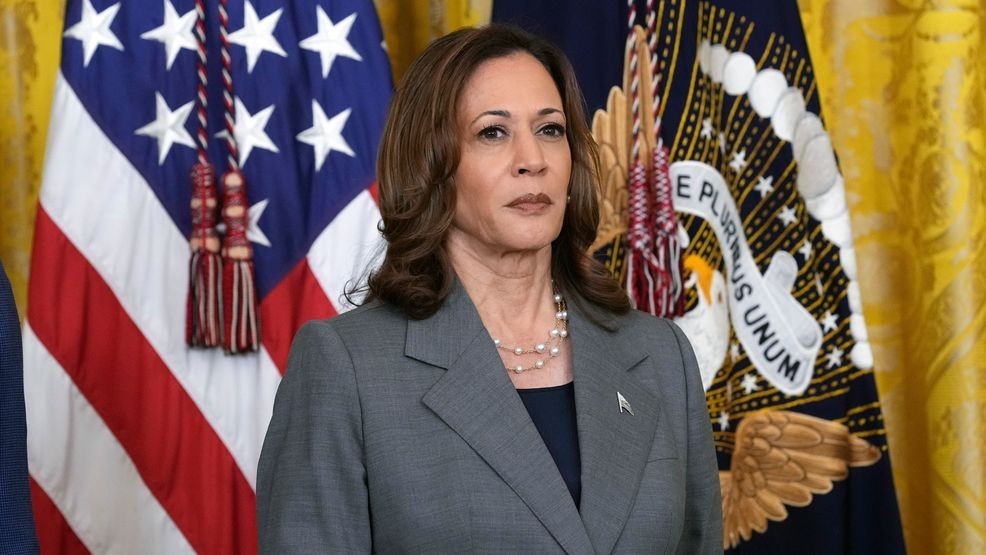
<point x="553" y="411"/>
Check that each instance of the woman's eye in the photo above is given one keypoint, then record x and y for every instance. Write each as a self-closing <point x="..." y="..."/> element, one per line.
<point x="492" y="132"/>
<point x="553" y="130"/>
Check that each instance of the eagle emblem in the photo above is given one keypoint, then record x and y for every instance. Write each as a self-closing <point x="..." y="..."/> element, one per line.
<point x="780" y="458"/>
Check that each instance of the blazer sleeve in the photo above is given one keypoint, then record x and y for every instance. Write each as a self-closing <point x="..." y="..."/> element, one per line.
<point x="702" y="531"/>
<point x="311" y="481"/>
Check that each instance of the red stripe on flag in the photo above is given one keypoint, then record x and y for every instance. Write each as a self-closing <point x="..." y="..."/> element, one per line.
<point x="374" y="191"/>
<point x="54" y="533"/>
<point x="295" y="300"/>
<point x="178" y="454"/>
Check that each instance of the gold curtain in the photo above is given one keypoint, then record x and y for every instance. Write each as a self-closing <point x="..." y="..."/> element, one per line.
<point x="408" y="26"/>
<point x="29" y="54"/>
<point x="902" y="83"/>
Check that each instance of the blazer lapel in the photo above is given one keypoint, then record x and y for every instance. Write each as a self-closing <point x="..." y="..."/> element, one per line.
<point x="476" y="398"/>
<point x="613" y="443"/>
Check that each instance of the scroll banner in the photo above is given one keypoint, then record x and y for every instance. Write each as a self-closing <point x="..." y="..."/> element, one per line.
<point x="779" y="335"/>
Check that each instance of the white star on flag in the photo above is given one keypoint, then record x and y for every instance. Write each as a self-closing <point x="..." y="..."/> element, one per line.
<point x="257" y="35"/>
<point x="787" y="215"/>
<point x="706" y="128"/>
<point x="835" y="357"/>
<point x="723" y="420"/>
<point x="326" y="134"/>
<point x="94" y="30"/>
<point x="722" y="143"/>
<point x="331" y="40"/>
<point x="254" y="233"/>
<point x="805" y="250"/>
<point x="734" y="351"/>
<point x="168" y="127"/>
<point x="830" y="322"/>
<point x="175" y="33"/>
<point x="749" y="383"/>
<point x="249" y="130"/>
<point x="738" y="161"/>
<point x="764" y="186"/>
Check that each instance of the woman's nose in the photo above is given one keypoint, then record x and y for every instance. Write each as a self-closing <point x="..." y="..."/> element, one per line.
<point x="528" y="155"/>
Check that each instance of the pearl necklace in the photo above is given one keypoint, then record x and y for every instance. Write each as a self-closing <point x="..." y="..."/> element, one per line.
<point x="551" y="347"/>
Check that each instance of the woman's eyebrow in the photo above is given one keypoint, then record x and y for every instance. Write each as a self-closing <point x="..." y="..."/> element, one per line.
<point x="501" y="113"/>
<point x="506" y="114"/>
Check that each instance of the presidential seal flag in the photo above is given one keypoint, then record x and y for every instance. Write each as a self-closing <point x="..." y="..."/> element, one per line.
<point x="770" y="300"/>
<point x="139" y="443"/>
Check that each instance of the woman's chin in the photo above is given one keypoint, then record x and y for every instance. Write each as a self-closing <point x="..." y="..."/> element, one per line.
<point x="526" y="246"/>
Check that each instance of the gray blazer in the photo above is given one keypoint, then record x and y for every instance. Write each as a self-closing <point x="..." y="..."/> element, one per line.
<point x="407" y="436"/>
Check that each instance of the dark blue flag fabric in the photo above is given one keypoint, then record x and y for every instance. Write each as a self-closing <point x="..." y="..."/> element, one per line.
<point x="16" y="522"/>
<point x="771" y="302"/>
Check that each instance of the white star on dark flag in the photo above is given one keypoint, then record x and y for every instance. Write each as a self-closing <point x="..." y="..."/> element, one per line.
<point x="830" y="322"/>
<point x="254" y="233"/>
<point x="168" y="127"/>
<point x="706" y="128"/>
<point x="175" y="33"/>
<point x="787" y="216"/>
<point x="257" y="35"/>
<point x="331" y="40"/>
<point x="805" y="250"/>
<point x="764" y="186"/>
<point x="249" y="131"/>
<point x="749" y="383"/>
<point x="326" y="134"/>
<point x="94" y="30"/>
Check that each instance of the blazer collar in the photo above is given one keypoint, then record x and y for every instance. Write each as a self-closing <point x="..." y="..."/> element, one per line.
<point x="476" y="398"/>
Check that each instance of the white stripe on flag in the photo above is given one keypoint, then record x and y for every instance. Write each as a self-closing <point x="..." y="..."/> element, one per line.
<point x="79" y="463"/>
<point x="104" y="206"/>
<point x="340" y="253"/>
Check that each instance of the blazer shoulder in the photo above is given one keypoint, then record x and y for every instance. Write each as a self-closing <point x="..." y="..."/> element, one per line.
<point x="636" y="325"/>
<point x="374" y="315"/>
<point x="659" y="337"/>
<point x="366" y="329"/>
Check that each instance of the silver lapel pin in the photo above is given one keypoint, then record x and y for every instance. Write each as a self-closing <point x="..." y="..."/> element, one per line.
<point x="623" y="403"/>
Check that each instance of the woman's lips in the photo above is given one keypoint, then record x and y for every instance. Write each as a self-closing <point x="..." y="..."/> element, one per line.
<point x="531" y="202"/>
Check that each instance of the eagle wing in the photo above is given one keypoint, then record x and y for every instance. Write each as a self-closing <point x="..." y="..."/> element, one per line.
<point x="612" y="129"/>
<point x="782" y="458"/>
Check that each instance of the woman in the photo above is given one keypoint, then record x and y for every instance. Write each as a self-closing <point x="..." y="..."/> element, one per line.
<point x="496" y="392"/>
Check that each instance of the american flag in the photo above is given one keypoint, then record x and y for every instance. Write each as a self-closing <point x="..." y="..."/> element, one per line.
<point x="138" y="443"/>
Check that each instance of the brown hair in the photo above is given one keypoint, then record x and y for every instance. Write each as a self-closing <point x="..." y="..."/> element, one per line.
<point x="419" y="153"/>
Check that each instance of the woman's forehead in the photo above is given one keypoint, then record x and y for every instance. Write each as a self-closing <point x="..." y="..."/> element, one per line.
<point x="514" y="84"/>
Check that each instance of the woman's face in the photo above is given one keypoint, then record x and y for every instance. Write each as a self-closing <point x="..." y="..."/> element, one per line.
<point x="513" y="174"/>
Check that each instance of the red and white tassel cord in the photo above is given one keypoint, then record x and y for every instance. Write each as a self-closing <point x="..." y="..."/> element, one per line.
<point x="241" y="317"/>
<point x="203" y="319"/>
<point x="667" y="251"/>
<point x="641" y="265"/>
